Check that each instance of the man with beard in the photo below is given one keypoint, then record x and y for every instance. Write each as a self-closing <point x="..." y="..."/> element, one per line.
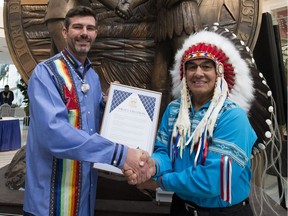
<point x="66" y="104"/>
<point x="54" y="18"/>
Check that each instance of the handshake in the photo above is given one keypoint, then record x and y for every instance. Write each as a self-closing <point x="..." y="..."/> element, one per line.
<point x="138" y="168"/>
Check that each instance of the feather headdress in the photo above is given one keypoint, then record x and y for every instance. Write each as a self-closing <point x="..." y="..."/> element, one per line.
<point x="238" y="77"/>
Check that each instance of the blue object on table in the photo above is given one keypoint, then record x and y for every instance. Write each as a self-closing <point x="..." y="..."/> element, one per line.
<point x="10" y="135"/>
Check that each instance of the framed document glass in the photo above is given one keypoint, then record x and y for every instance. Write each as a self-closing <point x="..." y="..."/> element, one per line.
<point x="130" y="118"/>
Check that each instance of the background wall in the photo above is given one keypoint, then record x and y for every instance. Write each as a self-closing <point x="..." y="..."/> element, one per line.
<point x="12" y="77"/>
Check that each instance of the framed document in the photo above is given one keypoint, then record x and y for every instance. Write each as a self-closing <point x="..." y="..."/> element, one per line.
<point x="130" y="118"/>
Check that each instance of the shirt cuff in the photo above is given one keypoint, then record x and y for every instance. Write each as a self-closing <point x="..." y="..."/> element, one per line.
<point x="119" y="155"/>
<point x="161" y="183"/>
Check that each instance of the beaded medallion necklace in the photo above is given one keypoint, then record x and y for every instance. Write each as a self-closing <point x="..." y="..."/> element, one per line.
<point x="84" y="86"/>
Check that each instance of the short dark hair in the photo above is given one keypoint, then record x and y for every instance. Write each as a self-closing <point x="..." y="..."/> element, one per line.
<point x="79" y="11"/>
<point x="6" y="86"/>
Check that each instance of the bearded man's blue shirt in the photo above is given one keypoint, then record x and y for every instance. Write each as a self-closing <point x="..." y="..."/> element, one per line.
<point x="50" y="135"/>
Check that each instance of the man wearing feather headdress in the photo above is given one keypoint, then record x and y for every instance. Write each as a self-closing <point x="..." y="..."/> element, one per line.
<point x="205" y="140"/>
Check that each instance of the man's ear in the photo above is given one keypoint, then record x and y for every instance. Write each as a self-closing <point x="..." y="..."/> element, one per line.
<point x="64" y="32"/>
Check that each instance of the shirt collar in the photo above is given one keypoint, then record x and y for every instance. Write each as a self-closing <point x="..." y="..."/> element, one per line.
<point x="74" y="62"/>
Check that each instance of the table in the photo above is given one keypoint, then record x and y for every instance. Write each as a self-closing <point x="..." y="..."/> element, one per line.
<point x="10" y="135"/>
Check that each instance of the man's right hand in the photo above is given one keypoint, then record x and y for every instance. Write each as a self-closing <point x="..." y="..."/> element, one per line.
<point x="148" y="170"/>
<point x="137" y="166"/>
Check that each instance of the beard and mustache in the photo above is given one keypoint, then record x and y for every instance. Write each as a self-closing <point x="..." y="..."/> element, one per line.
<point x="81" y="44"/>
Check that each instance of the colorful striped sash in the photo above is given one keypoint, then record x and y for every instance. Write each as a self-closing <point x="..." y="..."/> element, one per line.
<point x="67" y="174"/>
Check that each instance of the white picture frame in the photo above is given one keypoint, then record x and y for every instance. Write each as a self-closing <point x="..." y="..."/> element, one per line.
<point x="130" y="118"/>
